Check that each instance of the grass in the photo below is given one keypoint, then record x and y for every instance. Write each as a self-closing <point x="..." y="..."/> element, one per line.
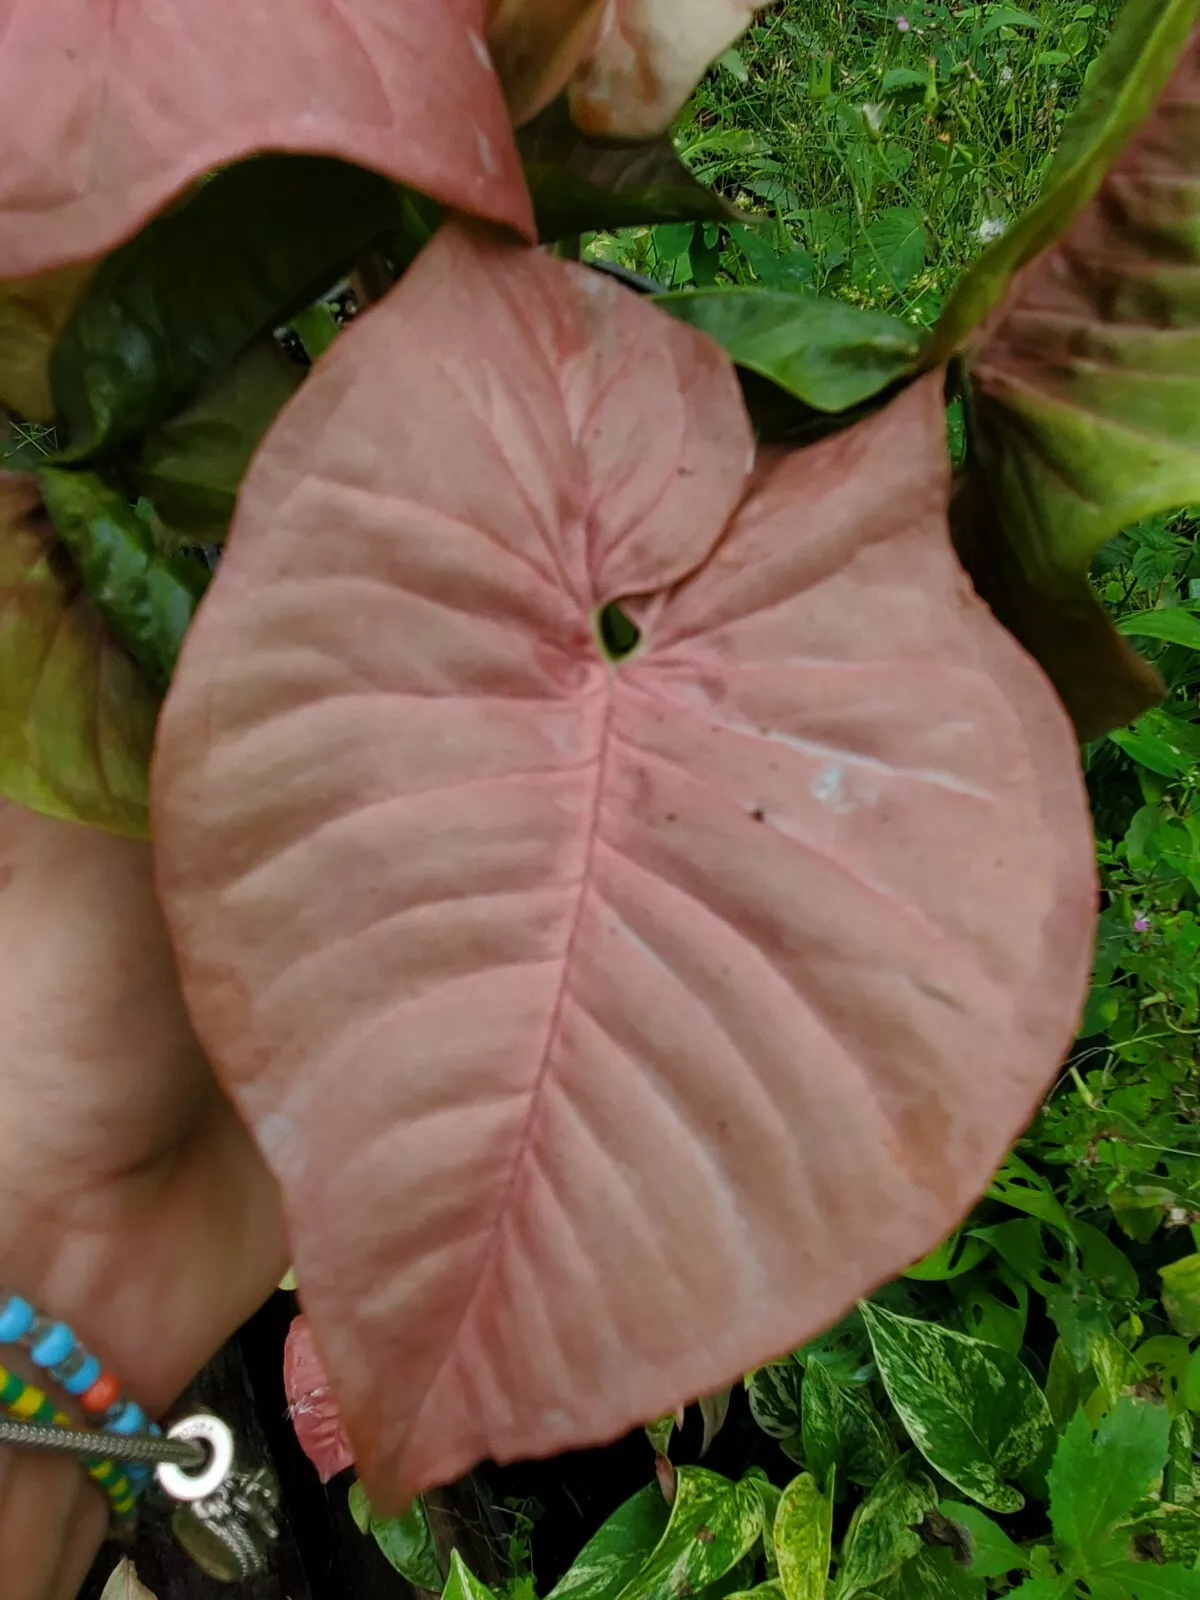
<point x="883" y="145"/>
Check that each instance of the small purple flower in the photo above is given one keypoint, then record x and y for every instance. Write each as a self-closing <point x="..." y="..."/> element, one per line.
<point x="1141" y="924"/>
<point x="903" y="24"/>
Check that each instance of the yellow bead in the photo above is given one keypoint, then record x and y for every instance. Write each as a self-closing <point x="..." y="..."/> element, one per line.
<point x="26" y="1403"/>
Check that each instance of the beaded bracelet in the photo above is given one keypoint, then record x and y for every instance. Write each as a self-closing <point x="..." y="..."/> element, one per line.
<point x="28" y="1404"/>
<point x="54" y="1347"/>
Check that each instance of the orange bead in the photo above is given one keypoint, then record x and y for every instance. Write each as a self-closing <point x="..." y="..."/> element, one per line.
<point x="106" y="1389"/>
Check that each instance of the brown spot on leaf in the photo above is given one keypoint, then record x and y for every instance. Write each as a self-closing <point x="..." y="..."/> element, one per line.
<point x="704" y="1534"/>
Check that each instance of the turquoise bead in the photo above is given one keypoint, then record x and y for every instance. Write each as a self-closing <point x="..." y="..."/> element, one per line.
<point x="131" y="1419"/>
<point x="54" y="1346"/>
<point x="84" y="1378"/>
<point x="16" y="1319"/>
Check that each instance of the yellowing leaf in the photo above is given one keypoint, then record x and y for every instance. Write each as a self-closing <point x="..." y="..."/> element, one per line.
<point x="124" y="1584"/>
<point x="803" y="1533"/>
<point x="76" y="717"/>
<point x="33" y="312"/>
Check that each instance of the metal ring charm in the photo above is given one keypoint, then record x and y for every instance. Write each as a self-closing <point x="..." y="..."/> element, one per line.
<point x="192" y="1486"/>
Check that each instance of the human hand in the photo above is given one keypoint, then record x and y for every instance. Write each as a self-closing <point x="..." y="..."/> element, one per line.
<point x="133" y="1204"/>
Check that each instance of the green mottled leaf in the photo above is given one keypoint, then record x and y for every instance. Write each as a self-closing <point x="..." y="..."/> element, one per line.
<point x="841" y="1430"/>
<point x="407" y="1542"/>
<point x="1097" y="1479"/>
<point x="993" y="1553"/>
<point x="360" y="1508"/>
<point x="1181" y="1295"/>
<point x="713" y="1524"/>
<point x="803" y="1534"/>
<point x="826" y="353"/>
<point x="617" y="1552"/>
<point x="172" y="308"/>
<point x="191" y="466"/>
<point x="1173" y="624"/>
<point x="462" y="1584"/>
<point x="76" y="717"/>
<point x="933" y="1575"/>
<point x="972" y="1410"/>
<point x="762" y="1591"/>
<point x="1191" y="1383"/>
<point x="148" y="599"/>
<point x="774" y="1392"/>
<point x="1121" y="89"/>
<point x="884" y="1533"/>
<point x="582" y="185"/>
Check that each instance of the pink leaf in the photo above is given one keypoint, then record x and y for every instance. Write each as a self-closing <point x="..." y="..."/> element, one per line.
<point x="610" y="1027"/>
<point x="110" y="111"/>
<point x="311" y="1405"/>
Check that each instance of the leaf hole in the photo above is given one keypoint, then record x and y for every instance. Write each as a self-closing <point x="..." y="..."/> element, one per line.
<point x="619" y="636"/>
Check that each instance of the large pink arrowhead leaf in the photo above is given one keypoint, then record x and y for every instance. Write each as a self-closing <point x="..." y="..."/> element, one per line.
<point x="610" y="1026"/>
<point x="111" y="110"/>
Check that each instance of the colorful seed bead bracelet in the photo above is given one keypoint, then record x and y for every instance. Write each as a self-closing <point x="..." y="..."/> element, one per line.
<point x="53" y="1347"/>
<point x="28" y="1404"/>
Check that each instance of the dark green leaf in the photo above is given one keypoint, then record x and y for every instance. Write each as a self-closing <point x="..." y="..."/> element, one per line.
<point x="583" y="185"/>
<point x="1120" y="92"/>
<point x="954" y="1256"/>
<point x="713" y="1524"/>
<point x="841" y="1430"/>
<point x="1097" y="1480"/>
<point x="147" y="599"/>
<point x="973" y="1410"/>
<point x="885" y="1531"/>
<point x="614" y="1555"/>
<point x="896" y="243"/>
<point x="169" y="310"/>
<point x="76" y="717"/>
<point x="826" y="353"/>
<point x="803" y="1534"/>
<point x="191" y="467"/>
<point x="407" y="1543"/>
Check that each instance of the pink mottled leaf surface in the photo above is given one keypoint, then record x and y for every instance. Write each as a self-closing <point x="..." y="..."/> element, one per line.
<point x="611" y="1027"/>
<point x="112" y="109"/>
<point x="311" y="1404"/>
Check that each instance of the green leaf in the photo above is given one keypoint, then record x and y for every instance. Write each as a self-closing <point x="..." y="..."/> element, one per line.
<point x="932" y="1575"/>
<point x="972" y="1410"/>
<point x="462" y="1584"/>
<point x="1008" y="17"/>
<point x="1174" y="624"/>
<point x="1181" y="1295"/>
<point x="617" y="1552"/>
<point x="884" y="1533"/>
<point x="841" y="1430"/>
<point x="713" y="1524"/>
<point x="762" y="1591"/>
<point x="1043" y="1589"/>
<point x="147" y="599"/>
<point x="954" y="1256"/>
<point x="76" y="717"/>
<point x="993" y="1553"/>
<point x="32" y="314"/>
<point x="192" y="466"/>
<point x="826" y="353"/>
<point x="1144" y="1581"/>
<point x="582" y="185"/>
<point x="896" y="245"/>
<point x="803" y="1535"/>
<point x="176" y="305"/>
<point x="1191" y="1383"/>
<point x="360" y="1508"/>
<point x="316" y="327"/>
<point x="407" y="1543"/>
<point x="1121" y="90"/>
<point x="1097" y="1479"/>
